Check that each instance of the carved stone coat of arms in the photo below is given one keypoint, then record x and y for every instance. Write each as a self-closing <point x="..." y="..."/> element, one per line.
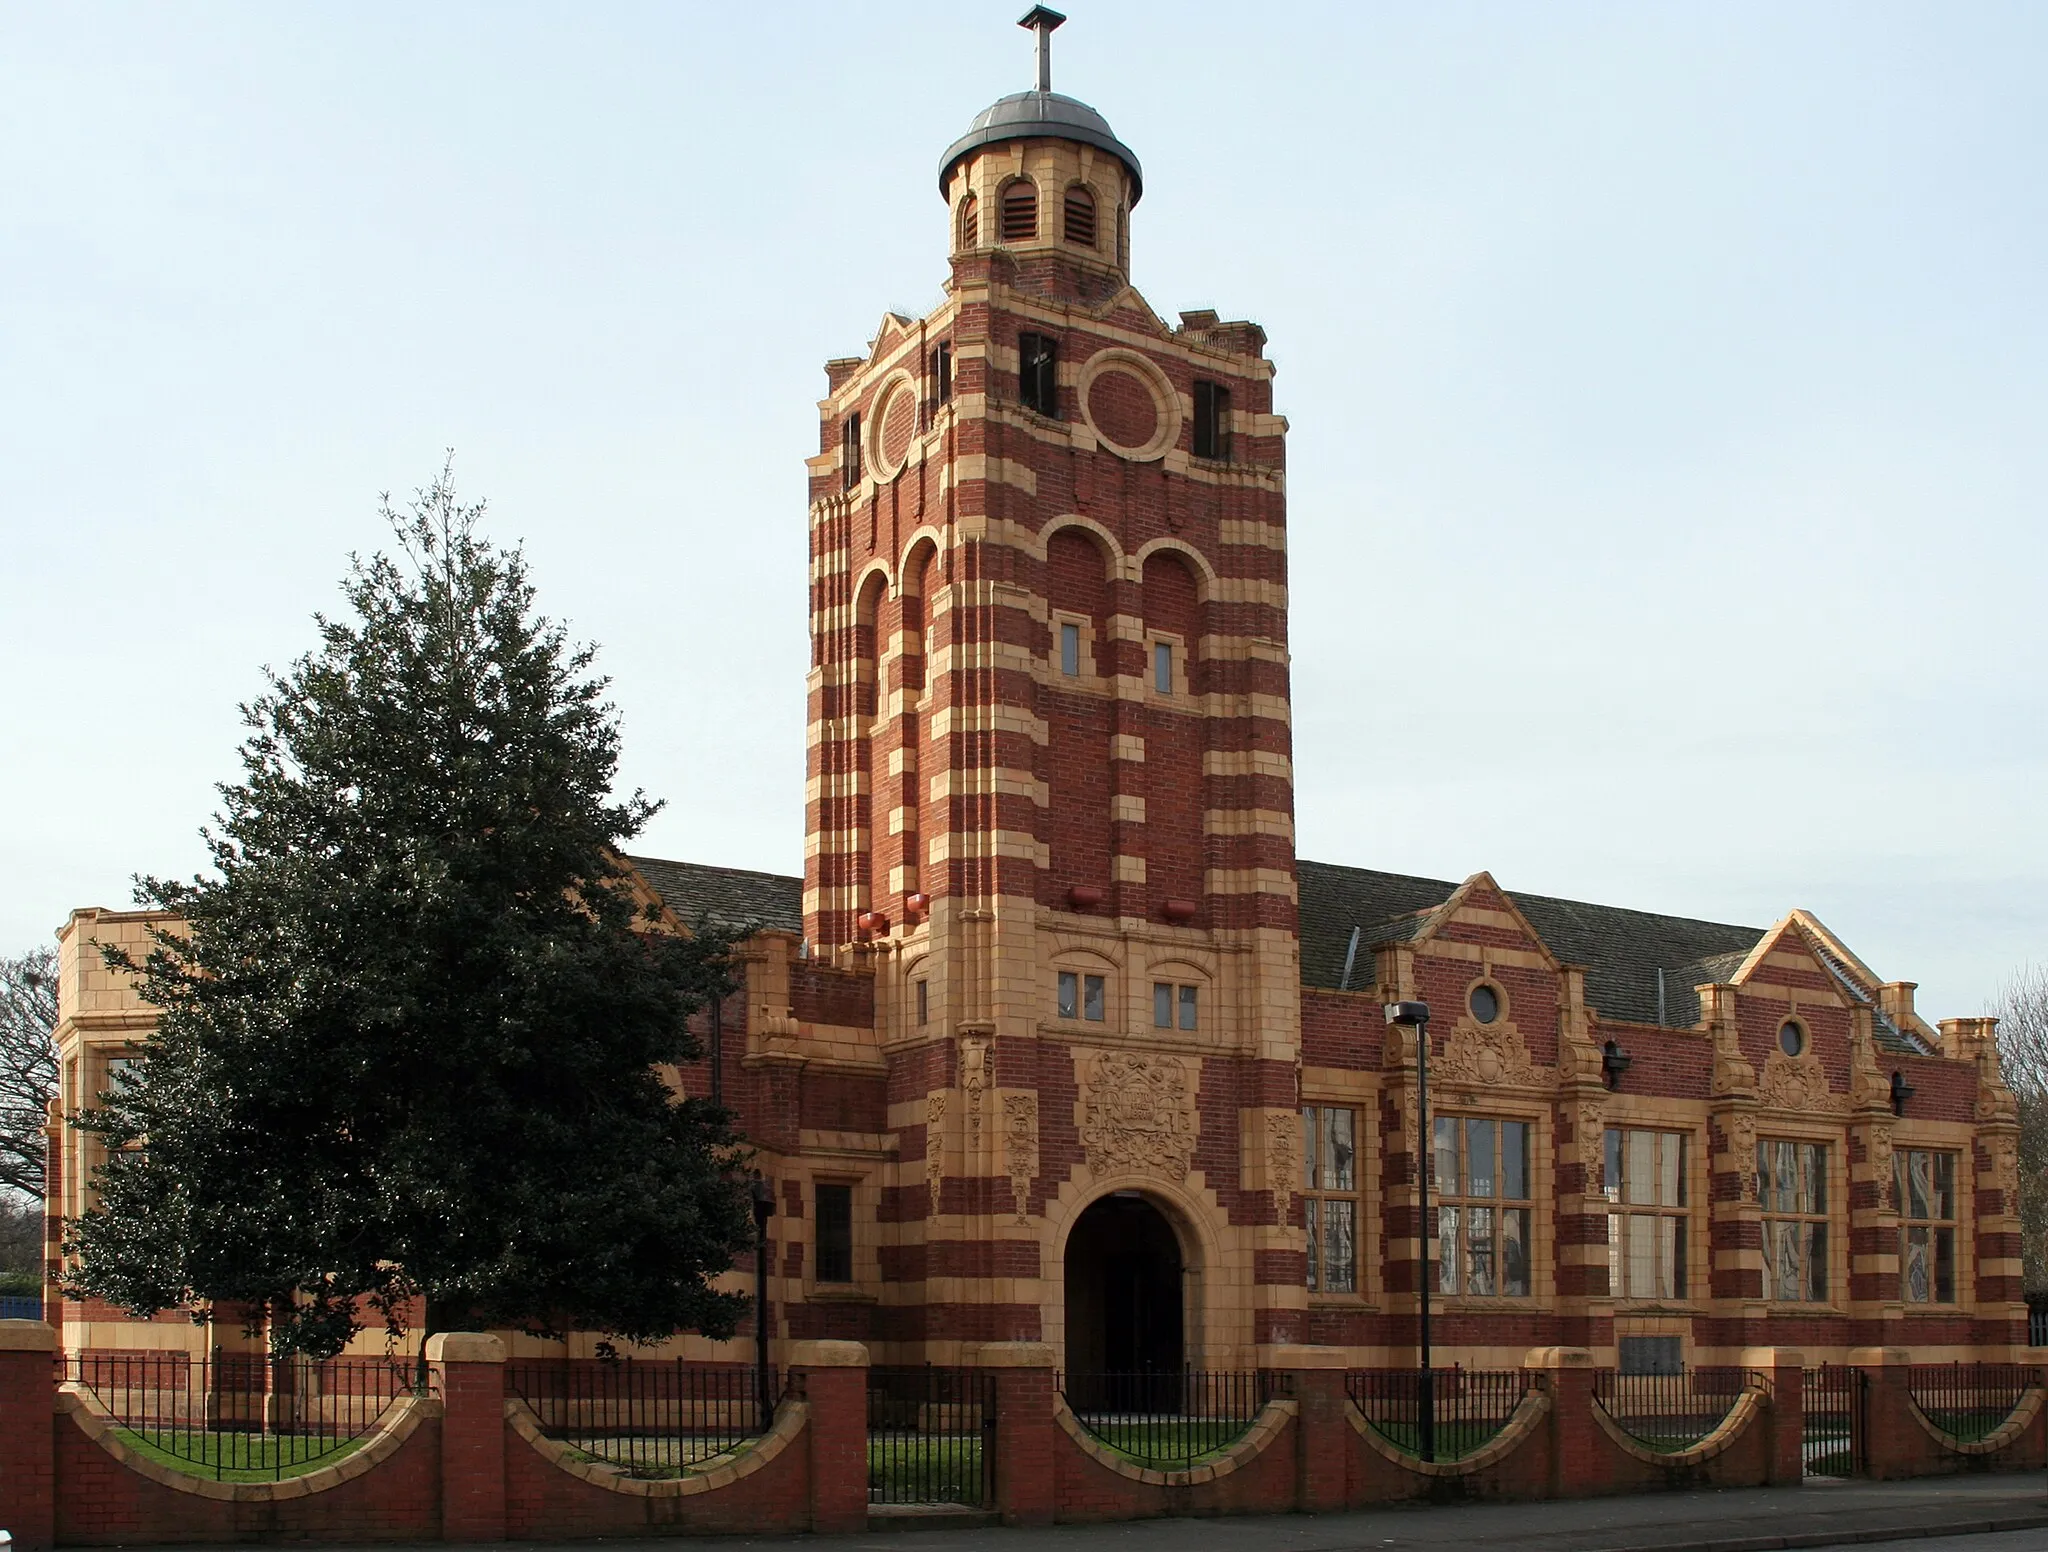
<point x="1137" y="1115"/>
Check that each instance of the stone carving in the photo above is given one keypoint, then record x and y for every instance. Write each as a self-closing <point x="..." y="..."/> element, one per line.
<point x="976" y="1078"/>
<point x="1137" y="1114"/>
<point x="1592" y="1131"/>
<point x="1283" y="1160"/>
<point x="1880" y="1149"/>
<point x="2005" y="1170"/>
<point x="934" y="1161"/>
<point x="1798" y="1083"/>
<point x="1742" y="1143"/>
<point x="1488" y="1053"/>
<point x="1020" y="1148"/>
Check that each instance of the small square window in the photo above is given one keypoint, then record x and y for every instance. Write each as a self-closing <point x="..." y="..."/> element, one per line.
<point x="923" y="1004"/>
<point x="1091" y="998"/>
<point x="1162" y="1005"/>
<point x="835" y="1233"/>
<point x="1162" y="667"/>
<point x="1070" y="649"/>
<point x="1070" y="994"/>
<point x="1187" y="1007"/>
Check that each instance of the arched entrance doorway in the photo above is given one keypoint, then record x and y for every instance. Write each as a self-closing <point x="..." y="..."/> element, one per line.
<point x="1124" y="1273"/>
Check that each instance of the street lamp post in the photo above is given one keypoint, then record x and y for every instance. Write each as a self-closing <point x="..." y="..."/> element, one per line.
<point x="763" y="1195"/>
<point x="1414" y="1016"/>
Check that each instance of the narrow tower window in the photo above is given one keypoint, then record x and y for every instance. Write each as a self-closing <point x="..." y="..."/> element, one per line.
<point x="1038" y="374"/>
<point x="1070" y="650"/>
<point x="849" y="451"/>
<point x="835" y="1233"/>
<point x="1020" y="212"/>
<point x="1212" y="420"/>
<point x="1080" y="217"/>
<point x="970" y="222"/>
<point x="942" y="372"/>
<point x="1162" y="667"/>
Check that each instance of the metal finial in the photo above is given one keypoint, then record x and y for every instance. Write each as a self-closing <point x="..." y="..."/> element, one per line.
<point x="1042" y="20"/>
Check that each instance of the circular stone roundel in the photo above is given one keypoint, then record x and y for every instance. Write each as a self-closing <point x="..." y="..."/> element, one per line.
<point x="893" y="427"/>
<point x="1129" y="404"/>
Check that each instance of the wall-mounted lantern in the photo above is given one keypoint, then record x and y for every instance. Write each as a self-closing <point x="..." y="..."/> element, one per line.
<point x="1614" y="1061"/>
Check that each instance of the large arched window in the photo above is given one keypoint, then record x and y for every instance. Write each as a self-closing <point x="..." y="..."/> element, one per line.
<point x="1080" y="216"/>
<point x="970" y="222"/>
<point x="1020" y="211"/>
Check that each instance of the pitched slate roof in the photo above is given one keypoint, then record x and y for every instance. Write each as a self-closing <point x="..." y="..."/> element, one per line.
<point x="730" y="897"/>
<point x="1622" y="950"/>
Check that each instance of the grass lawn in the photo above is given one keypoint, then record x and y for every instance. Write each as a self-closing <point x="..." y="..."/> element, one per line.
<point x="1455" y="1439"/>
<point x="237" y="1457"/>
<point x="907" y="1468"/>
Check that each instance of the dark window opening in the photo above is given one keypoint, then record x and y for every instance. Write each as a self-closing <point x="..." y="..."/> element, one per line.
<point x="835" y="1233"/>
<point x="1038" y="378"/>
<point x="1652" y="1354"/>
<point x="942" y="372"/>
<point x="1080" y="217"/>
<point x="1212" y="420"/>
<point x="849" y="451"/>
<point x="1020" y="212"/>
<point x="970" y="221"/>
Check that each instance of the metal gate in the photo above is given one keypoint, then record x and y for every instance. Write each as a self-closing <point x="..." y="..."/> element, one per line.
<point x="931" y="1436"/>
<point x="1835" y="1415"/>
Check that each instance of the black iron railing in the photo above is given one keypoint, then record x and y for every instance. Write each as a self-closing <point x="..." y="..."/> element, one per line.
<point x="1832" y="1423"/>
<point x="241" y="1417"/>
<point x="1468" y="1406"/>
<point x="1969" y="1400"/>
<point x="931" y="1436"/>
<point x="1671" y="1412"/>
<point x="1168" y="1418"/>
<point x="648" y="1417"/>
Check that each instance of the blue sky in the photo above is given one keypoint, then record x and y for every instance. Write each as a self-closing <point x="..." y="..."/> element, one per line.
<point x="1667" y="386"/>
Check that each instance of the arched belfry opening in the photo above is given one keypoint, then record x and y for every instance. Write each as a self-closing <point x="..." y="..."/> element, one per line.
<point x="1126" y="1290"/>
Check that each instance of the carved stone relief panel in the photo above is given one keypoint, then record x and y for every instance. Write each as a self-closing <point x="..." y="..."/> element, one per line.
<point x="1879" y="1143"/>
<point x="1283" y="1160"/>
<point x="1489" y="1054"/>
<point x="1742" y="1143"/>
<point x="1020" y="1148"/>
<point x="977" y="1077"/>
<point x="1137" y="1113"/>
<point x="934" y="1144"/>
<point x="1798" y="1083"/>
<point x="1591" y="1126"/>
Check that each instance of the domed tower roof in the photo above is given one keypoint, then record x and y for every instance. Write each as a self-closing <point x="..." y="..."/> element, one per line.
<point x="1041" y="115"/>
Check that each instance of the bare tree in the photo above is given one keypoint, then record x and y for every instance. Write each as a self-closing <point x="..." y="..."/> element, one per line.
<point x="28" y="1066"/>
<point x="2023" y="1054"/>
<point x="21" y="1239"/>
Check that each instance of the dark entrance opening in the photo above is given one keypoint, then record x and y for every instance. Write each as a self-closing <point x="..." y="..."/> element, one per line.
<point x="1123" y="1275"/>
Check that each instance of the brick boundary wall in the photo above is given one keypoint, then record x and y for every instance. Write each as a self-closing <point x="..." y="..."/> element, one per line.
<point x="472" y="1465"/>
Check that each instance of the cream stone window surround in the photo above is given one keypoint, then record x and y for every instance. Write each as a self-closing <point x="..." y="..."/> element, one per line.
<point x="1834" y="1153"/>
<point x="1176" y="697"/>
<point x="1693" y="1183"/>
<point x="1536" y="1200"/>
<point x="1165" y="401"/>
<point x="865" y="1287"/>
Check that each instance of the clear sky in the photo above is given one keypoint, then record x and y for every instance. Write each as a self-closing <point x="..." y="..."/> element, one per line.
<point x="1668" y="387"/>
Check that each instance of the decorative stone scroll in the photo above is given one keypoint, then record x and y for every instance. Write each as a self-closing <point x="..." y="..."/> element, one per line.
<point x="1798" y="1083"/>
<point x="1137" y="1114"/>
<point x="934" y="1160"/>
<point x="1489" y="1054"/>
<point x="1283" y="1160"/>
<point x="1020" y="1148"/>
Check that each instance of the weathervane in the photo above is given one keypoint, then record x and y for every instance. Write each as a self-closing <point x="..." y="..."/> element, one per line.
<point x="1042" y="20"/>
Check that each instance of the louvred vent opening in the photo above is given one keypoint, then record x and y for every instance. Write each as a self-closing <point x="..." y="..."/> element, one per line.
<point x="1020" y="213"/>
<point x="1081" y="217"/>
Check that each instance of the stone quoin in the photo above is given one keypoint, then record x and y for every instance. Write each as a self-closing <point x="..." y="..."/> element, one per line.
<point x="1057" y="1041"/>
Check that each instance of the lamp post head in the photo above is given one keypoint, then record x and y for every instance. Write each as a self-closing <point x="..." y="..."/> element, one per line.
<point x="1901" y="1092"/>
<point x="763" y="1195"/>
<point x="1409" y="1013"/>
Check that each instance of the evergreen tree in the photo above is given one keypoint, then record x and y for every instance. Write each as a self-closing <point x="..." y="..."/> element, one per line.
<point x="412" y="1024"/>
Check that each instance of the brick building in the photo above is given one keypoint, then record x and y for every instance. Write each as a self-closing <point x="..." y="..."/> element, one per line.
<point x="1056" y="1038"/>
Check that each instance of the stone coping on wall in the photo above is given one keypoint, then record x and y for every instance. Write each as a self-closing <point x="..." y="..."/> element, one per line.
<point x="1534" y="1407"/>
<point x="392" y="1429"/>
<point x="1264" y="1430"/>
<point x="1747" y="1405"/>
<point x="790" y="1420"/>
<point x="1992" y="1442"/>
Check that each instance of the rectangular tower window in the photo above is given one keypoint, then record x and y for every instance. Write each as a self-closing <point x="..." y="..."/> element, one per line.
<point x="1070" y="649"/>
<point x="1038" y="378"/>
<point x="1212" y="420"/>
<point x="1792" y="1185"/>
<point x="923" y="1005"/>
<point x="1081" y="996"/>
<point x="835" y="1233"/>
<point x="1091" y="998"/>
<point x="1645" y="1172"/>
<point x="1926" y="1185"/>
<point x="1070" y="995"/>
<point x="1329" y="1154"/>
<point x="1162" y="667"/>
<point x="849" y="452"/>
<point x="1482" y="1182"/>
<point x="1187" y="1007"/>
<point x="1169" y="999"/>
<point x="942" y="372"/>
